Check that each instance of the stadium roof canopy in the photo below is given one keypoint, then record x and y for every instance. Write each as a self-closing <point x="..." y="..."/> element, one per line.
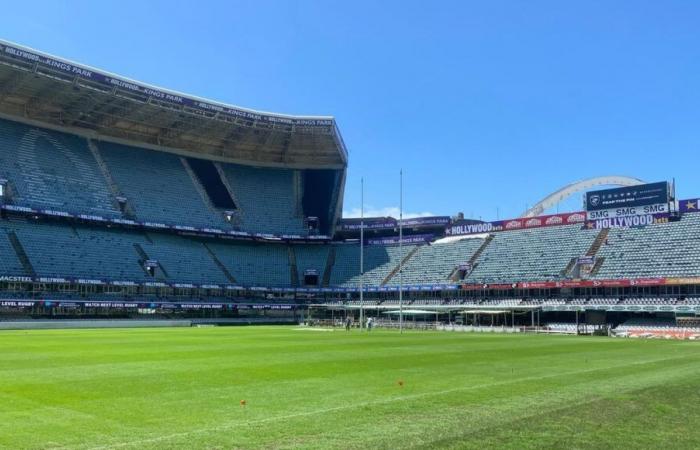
<point x="40" y="87"/>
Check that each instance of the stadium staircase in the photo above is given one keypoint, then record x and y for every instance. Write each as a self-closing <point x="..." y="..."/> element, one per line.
<point x="236" y="218"/>
<point x="113" y="187"/>
<point x="566" y="272"/>
<point x="598" y="242"/>
<point x="298" y="186"/>
<point x="592" y="251"/>
<point x="330" y="262"/>
<point x="293" y="270"/>
<point x="199" y="188"/>
<point x="21" y="254"/>
<point x="596" y="266"/>
<point x="162" y="276"/>
<point x="220" y="265"/>
<point x="335" y="215"/>
<point x="474" y="257"/>
<point x="403" y="262"/>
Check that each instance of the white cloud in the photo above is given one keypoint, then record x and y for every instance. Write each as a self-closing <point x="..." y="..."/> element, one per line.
<point x="392" y="211"/>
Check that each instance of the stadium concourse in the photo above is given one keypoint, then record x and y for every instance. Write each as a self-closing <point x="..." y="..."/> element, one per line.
<point x="123" y="200"/>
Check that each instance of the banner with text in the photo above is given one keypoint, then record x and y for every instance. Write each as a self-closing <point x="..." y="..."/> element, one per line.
<point x="109" y="80"/>
<point x="471" y="227"/>
<point x="627" y="211"/>
<point x="394" y="240"/>
<point x="640" y="195"/>
<point x="639" y="221"/>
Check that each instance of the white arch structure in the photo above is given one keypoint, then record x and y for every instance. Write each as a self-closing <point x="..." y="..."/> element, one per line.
<point x="567" y="191"/>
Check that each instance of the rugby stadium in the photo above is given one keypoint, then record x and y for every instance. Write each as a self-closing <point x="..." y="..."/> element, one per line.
<point x="141" y="228"/>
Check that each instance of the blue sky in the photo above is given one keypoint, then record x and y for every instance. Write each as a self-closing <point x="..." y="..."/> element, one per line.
<point x="487" y="106"/>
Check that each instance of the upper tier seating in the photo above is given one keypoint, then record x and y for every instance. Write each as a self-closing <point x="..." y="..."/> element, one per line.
<point x="268" y="200"/>
<point x="662" y="250"/>
<point x="530" y="255"/>
<point x="158" y="187"/>
<point x="52" y="170"/>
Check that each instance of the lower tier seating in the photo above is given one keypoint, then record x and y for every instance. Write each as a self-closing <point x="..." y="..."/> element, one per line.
<point x="59" y="249"/>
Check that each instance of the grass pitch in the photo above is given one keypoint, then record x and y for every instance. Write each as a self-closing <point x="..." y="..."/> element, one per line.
<point x="182" y="388"/>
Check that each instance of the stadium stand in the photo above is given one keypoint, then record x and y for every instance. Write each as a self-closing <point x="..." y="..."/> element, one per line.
<point x="9" y="262"/>
<point x="435" y="263"/>
<point x="528" y="255"/>
<point x="78" y="252"/>
<point x="379" y="262"/>
<point x="269" y="200"/>
<point x="51" y="170"/>
<point x="311" y="257"/>
<point x="662" y="250"/>
<point x="646" y="327"/>
<point x="83" y="206"/>
<point x="184" y="260"/>
<point x="264" y="265"/>
<point x="158" y="187"/>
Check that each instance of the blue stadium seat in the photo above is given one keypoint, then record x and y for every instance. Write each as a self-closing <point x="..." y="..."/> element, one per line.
<point x="255" y="264"/>
<point x="311" y="257"/>
<point x="158" y="187"/>
<point x="379" y="262"/>
<point x="269" y="200"/>
<point x="63" y="251"/>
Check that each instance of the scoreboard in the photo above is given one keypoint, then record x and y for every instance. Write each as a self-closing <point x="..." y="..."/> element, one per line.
<point x="629" y="196"/>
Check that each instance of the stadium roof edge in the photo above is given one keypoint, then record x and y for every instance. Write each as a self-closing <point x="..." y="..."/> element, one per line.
<point x="118" y="106"/>
<point x="159" y="88"/>
<point x="88" y="134"/>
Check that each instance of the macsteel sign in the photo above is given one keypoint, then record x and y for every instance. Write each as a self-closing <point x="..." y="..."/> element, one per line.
<point x="640" y="195"/>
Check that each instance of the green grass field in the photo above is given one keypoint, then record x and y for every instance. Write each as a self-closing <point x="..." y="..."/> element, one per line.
<point x="181" y="388"/>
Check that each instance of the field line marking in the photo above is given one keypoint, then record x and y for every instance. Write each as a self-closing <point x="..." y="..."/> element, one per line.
<point x="363" y="404"/>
